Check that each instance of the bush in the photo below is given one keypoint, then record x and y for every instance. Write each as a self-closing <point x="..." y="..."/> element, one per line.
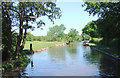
<point x="22" y="61"/>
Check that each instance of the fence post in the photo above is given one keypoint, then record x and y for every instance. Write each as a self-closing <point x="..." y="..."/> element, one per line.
<point x="31" y="48"/>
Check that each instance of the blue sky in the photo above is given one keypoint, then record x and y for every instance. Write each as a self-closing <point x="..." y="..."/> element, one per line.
<point x="73" y="16"/>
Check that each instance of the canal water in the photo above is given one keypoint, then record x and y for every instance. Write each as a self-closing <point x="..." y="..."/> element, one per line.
<point x="74" y="60"/>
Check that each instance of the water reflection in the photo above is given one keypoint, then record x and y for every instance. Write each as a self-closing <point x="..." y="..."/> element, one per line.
<point x="31" y="61"/>
<point x="72" y="49"/>
<point x="92" y="57"/>
<point x="32" y="65"/>
<point x="109" y="67"/>
<point x="57" y="54"/>
<point x="75" y="60"/>
<point x="106" y="65"/>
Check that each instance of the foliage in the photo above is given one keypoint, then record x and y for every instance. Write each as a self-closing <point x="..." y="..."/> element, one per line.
<point x="14" y="40"/>
<point x="91" y="29"/>
<point x="59" y="37"/>
<point x="29" y="37"/>
<point x="103" y="9"/>
<point x="108" y="23"/>
<point x="21" y="62"/>
<point x="6" y="32"/>
<point x="92" y="44"/>
<point x="5" y="44"/>
<point x="72" y="35"/>
<point x="19" y="15"/>
<point x="56" y="33"/>
<point x="78" y="38"/>
<point x="69" y="39"/>
<point x="85" y="36"/>
<point x="96" y="40"/>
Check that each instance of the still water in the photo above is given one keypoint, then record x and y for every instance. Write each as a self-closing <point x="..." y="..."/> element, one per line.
<point x="74" y="60"/>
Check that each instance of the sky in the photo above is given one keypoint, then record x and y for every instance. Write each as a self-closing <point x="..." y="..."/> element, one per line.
<point x="73" y="16"/>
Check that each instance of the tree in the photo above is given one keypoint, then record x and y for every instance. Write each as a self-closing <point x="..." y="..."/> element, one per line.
<point x="85" y="36"/>
<point x="56" y="32"/>
<point x="28" y="12"/>
<point x="103" y="9"/>
<point x="6" y="30"/>
<point x="72" y="35"/>
<point x="108" y="22"/>
<point x="29" y="37"/>
<point x="91" y="29"/>
<point x="79" y="38"/>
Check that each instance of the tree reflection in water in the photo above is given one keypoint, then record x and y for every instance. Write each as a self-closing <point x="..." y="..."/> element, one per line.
<point x="32" y="64"/>
<point x="107" y="66"/>
<point x="57" y="54"/>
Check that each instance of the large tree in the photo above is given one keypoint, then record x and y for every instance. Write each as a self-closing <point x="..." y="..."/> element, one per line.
<point x="73" y="33"/>
<point x="109" y="19"/>
<point x="56" y="32"/>
<point x="6" y="30"/>
<point x="28" y="12"/>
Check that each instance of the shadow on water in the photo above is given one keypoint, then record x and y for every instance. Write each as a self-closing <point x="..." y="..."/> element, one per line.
<point x="106" y="65"/>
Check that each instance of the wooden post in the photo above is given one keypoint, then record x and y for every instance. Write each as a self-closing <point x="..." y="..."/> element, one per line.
<point x="31" y="48"/>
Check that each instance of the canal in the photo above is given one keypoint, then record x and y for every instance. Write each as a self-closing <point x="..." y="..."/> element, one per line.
<point x="74" y="60"/>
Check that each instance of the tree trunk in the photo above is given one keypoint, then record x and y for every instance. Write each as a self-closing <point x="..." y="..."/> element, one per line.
<point x="25" y="33"/>
<point x="20" y="32"/>
<point x="9" y="31"/>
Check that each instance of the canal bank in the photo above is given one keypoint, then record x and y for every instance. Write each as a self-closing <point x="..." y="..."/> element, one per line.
<point x="43" y="49"/>
<point x="105" y="53"/>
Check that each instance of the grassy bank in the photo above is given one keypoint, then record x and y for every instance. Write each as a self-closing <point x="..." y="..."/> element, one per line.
<point x="111" y="50"/>
<point x="37" y="45"/>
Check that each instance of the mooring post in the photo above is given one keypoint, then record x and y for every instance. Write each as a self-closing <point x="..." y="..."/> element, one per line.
<point x="31" y="48"/>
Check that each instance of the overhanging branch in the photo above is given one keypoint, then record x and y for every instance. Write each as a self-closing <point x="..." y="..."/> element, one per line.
<point x="14" y="10"/>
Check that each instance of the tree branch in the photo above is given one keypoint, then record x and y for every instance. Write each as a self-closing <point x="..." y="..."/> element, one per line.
<point x="14" y="10"/>
<point x="34" y="17"/>
<point x="30" y="17"/>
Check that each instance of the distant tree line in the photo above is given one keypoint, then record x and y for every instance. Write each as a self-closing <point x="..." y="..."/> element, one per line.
<point x="31" y="37"/>
<point x="56" y="33"/>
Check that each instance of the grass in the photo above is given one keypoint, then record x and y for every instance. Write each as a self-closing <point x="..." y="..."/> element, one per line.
<point x="97" y="39"/>
<point x="92" y="44"/>
<point x="111" y="50"/>
<point x="37" y="45"/>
